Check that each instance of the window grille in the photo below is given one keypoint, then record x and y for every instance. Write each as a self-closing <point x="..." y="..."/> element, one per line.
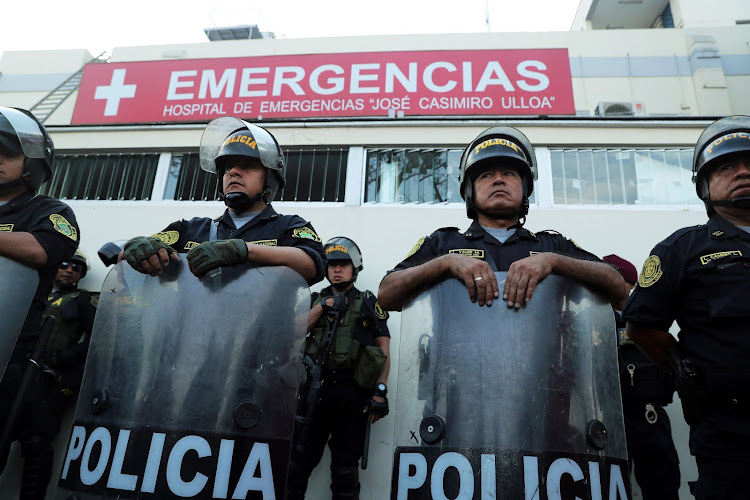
<point x="102" y="176"/>
<point x="622" y="177"/>
<point x="414" y="176"/>
<point x="310" y="174"/>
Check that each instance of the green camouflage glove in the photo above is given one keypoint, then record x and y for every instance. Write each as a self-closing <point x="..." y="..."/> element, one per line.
<point x="212" y="254"/>
<point x="143" y="247"/>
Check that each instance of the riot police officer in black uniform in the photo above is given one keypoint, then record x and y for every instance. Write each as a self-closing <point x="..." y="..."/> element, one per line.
<point x="497" y="174"/>
<point x="646" y="389"/>
<point x="40" y="232"/>
<point x="354" y="375"/>
<point x="249" y="163"/>
<point x="64" y="355"/>
<point x="700" y="277"/>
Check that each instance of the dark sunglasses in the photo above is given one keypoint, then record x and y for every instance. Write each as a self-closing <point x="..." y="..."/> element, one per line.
<point x="76" y="267"/>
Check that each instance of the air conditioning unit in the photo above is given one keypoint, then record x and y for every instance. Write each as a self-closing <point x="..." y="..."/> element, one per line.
<point x="620" y="109"/>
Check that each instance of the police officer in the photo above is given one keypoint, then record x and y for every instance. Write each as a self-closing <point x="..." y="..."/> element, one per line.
<point x="40" y="232"/>
<point x="249" y="163"/>
<point x="497" y="173"/>
<point x="353" y="378"/>
<point x="645" y="389"/>
<point x="700" y="277"/>
<point x="64" y="357"/>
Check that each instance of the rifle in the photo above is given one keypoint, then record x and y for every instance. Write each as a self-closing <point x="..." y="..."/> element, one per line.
<point x="315" y="375"/>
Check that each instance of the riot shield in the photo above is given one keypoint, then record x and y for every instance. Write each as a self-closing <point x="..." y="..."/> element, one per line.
<point x="494" y="402"/>
<point x="20" y="284"/>
<point x="190" y="385"/>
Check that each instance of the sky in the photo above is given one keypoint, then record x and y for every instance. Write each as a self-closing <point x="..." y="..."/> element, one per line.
<point x="101" y="25"/>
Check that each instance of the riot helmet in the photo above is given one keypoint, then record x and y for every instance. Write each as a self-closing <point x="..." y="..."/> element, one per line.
<point x="497" y="144"/>
<point x="724" y="137"/>
<point x="78" y="259"/>
<point x="343" y="248"/>
<point x="22" y="133"/>
<point x="228" y="136"/>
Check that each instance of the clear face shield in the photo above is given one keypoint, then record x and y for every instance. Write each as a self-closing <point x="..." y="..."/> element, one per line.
<point x="26" y="129"/>
<point x="219" y="129"/>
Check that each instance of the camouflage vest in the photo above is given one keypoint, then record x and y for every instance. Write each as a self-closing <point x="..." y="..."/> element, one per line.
<point x="67" y="330"/>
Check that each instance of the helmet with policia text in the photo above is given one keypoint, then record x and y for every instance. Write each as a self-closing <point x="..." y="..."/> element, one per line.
<point x="723" y="138"/>
<point x="228" y="136"/>
<point x="497" y="144"/>
<point x="342" y="248"/>
<point x="22" y="133"/>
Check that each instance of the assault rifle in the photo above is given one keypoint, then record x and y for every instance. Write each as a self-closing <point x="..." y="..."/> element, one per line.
<point x="310" y="396"/>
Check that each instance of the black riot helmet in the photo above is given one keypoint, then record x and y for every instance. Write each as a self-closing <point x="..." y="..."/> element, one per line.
<point x="343" y="248"/>
<point x="723" y="138"/>
<point x="228" y="136"/>
<point x="497" y="144"/>
<point x="22" y="133"/>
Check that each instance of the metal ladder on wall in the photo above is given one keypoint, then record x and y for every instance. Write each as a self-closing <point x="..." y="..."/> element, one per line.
<point x="49" y="103"/>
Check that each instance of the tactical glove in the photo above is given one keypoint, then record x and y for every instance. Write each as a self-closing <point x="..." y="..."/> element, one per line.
<point x="212" y="254"/>
<point x="142" y="247"/>
<point x="378" y="408"/>
<point x="339" y="304"/>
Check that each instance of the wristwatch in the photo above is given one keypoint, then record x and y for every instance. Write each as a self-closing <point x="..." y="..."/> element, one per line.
<point x="381" y="389"/>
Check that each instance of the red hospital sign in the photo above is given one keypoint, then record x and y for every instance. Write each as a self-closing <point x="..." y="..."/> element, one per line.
<point x="368" y="84"/>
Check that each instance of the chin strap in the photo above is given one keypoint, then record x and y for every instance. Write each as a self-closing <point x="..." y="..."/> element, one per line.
<point x="741" y="202"/>
<point x="25" y="180"/>
<point x="65" y="287"/>
<point x="342" y="286"/>
<point x="521" y="214"/>
<point x="241" y="201"/>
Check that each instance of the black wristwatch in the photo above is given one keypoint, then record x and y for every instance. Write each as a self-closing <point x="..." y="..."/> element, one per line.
<point x="380" y="390"/>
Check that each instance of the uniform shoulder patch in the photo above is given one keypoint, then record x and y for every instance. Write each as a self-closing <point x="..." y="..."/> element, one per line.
<point x="651" y="272"/>
<point x="305" y="233"/>
<point x="168" y="237"/>
<point x="379" y="312"/>
<point x="416" y="248"/>
<point x="190" y="245"/>
<point x="62" y="226"/>
<point x="6" y="227"/>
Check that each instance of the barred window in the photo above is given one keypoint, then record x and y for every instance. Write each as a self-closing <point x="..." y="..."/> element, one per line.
<point x="622" y="177"/>
<point x="310" y="174"/>
<point x="412" y="176"/>
<point x="103" y="176"/>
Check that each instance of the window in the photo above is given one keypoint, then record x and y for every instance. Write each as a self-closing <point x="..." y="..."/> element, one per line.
<point x="103" y="177"/>
<point x="622" y="177"/>
<point x="412" y="176"/>
<point x="310" y="174"/>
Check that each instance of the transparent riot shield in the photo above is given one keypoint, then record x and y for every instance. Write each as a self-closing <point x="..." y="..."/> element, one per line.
<point x="20" y="284"/>
<point x="190" y="385"/>
<point x="494" y="402"/>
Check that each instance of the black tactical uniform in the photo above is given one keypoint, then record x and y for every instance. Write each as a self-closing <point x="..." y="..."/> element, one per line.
<point x="700" y="277"/>
<point x="340" y="414"/>
<point x="476" y="242"/>
<point x="646" y="389"/>
<point x="54" y="226"/>
<point x="267" y="228"/>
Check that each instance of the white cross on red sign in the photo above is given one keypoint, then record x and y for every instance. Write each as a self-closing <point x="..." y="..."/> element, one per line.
<point x="115" y="91"/>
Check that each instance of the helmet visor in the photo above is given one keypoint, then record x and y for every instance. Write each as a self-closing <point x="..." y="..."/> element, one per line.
<point x="219" y="129"/>
<point x="26" y="130"/>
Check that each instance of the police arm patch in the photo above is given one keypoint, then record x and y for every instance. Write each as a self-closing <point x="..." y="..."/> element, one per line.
<point x="168" y="237"/>
<point x="651" y="272"/>
<point x="379" y="312"/>
<point x="416" y="248"/>
<point x="305" y="233"/>
<point x="62" y="226"/>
